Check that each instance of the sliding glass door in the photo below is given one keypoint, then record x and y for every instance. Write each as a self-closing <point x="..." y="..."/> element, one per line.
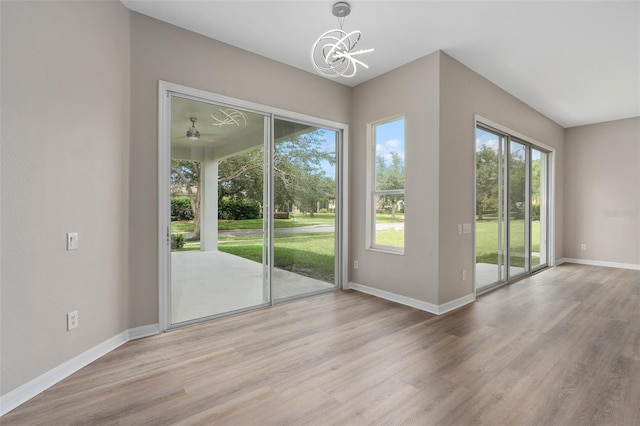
<point x="511" y="208"/>
<point x="250" y="206"/>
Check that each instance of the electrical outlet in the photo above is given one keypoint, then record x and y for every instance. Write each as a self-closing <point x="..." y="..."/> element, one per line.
<point x="583" y="246"/>
<point x="464" y="275"/>
<point x="355" y="264"/>
<point x="72" y="320"/>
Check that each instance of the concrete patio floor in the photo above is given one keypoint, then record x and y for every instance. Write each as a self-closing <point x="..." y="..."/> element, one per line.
<point x="206" y="283"/>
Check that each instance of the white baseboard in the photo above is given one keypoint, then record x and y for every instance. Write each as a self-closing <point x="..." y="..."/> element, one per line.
<point x="455" y="304"/>
<point x="43" y="382"/>
<point x="632" y="266"/>
<point x="144" y="331"/>
<point x="414" y="303"/>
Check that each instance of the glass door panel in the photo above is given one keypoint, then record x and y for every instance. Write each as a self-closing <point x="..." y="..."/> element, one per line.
<point x="217" y="192"/>
<point x="518" y="209"/>
<point x="305" y="207"/>
<point x="538" y="209"/>
<point x="491" y="224"/>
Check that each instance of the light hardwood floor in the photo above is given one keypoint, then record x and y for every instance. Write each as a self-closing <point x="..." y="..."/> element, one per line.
<point x="559" y="348"/>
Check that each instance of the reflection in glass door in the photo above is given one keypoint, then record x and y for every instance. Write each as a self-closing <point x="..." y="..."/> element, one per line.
<point x="217" y="193"/>
<point x="306" y="206"/>
<point x="511" y="208"/>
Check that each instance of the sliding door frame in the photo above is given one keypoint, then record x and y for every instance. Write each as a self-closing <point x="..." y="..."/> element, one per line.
<point x="165" y="91"/>
<point x="511" y="135"/>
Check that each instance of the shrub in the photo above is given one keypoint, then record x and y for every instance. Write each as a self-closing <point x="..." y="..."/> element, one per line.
<point x="177" y="241"/>
<point x="535" y="212"/>
<point x="323" y="211"/>
<point x="238" y="209"/>
<point x="181" y="208"/>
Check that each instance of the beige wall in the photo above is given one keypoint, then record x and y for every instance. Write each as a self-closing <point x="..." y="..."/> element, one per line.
<point x="464" y="93"/>
<point x="65" y="148"/>
<point x="602" y="204"/>
<point x="164" y="52"/>
<point x="412" y="91"/>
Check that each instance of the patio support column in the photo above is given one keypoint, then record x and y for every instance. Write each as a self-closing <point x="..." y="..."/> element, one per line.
<point x="209" y="203"/>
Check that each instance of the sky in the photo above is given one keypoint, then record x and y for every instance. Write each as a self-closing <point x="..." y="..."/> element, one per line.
<point x="390" y="138"/>
<point x="490" y="139"/>
<point x="328" y="145"/>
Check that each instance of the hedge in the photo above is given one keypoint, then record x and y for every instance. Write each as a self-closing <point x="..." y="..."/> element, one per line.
<point x="238" y="209"/>
<point x="181" y="208"/>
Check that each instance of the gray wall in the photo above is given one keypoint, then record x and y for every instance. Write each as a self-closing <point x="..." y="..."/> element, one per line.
<point x="464" y="93"/>
<point x="602" y="204"/>
<point x="439" y="98"/>
<point x="164" y="52"/>
<point x="411" y="90"/>
<point x="65" y="148"/>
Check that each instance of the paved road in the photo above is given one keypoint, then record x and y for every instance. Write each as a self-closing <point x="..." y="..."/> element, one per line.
<point x="300" y="230"/>
<point x="296" y="230"/>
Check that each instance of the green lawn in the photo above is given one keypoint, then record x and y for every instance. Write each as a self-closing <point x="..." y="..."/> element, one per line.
<point x="312" y="254"/>
<point x="386" y="218"/>
<point x="487" y="241"/>
<point x="309" y="254"/>
<point x="293" y="221"/>
<point x="390" y="237"/>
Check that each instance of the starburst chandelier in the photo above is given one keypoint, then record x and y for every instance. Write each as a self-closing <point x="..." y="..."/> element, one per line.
<point x="333" y="53"/>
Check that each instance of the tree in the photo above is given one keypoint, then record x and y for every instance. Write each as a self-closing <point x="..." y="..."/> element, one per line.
<point x="390" y="177"/>
<point x="185" y="176"/>
<point x="318" y="189"/>
<point x="242" y="176"/>
<point x="299" y="176"/>
<point x="487" y="170"/>
<point x="517" y="184"/>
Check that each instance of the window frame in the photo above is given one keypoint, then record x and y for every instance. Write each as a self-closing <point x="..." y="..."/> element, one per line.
<point x="373" y="192"/>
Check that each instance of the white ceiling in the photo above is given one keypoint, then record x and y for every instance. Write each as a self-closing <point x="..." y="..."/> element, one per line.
<point x="577" y="62"/>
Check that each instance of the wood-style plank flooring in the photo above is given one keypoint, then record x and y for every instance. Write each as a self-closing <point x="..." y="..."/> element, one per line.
<point x="559" y="348"/>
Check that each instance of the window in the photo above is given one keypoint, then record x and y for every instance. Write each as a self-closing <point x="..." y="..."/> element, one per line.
<point x="386" y="230"/>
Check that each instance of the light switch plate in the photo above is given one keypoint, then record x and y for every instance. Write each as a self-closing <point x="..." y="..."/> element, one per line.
<point x="466" y="228"/>
<point x="72" y="241"/>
